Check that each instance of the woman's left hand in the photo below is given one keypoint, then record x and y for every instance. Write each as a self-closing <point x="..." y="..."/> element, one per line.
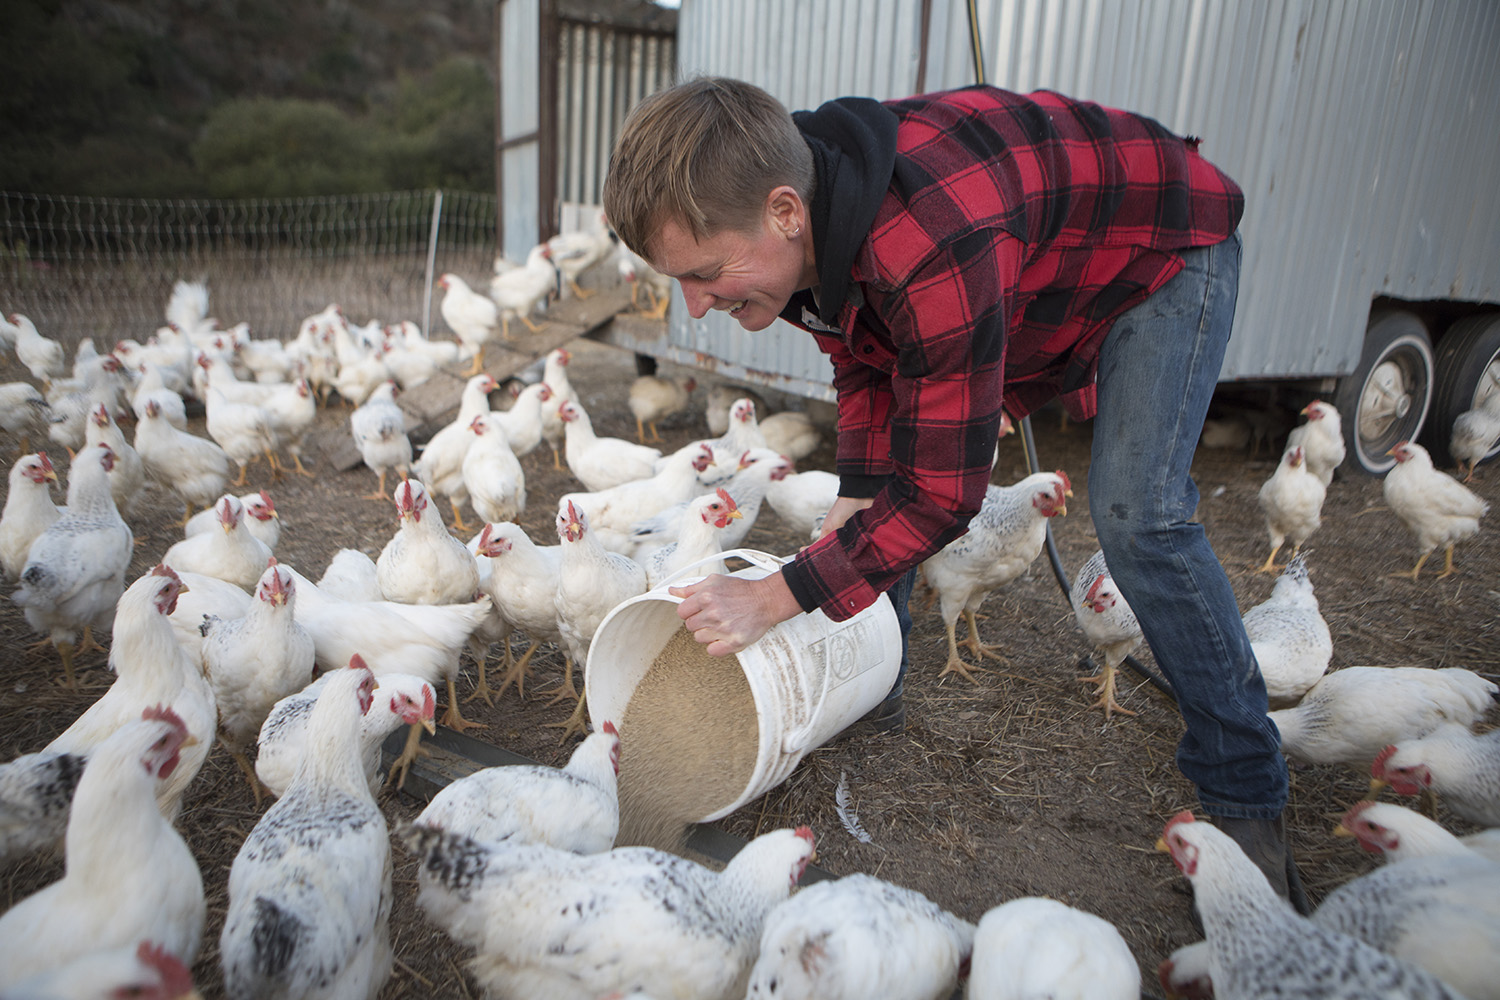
<point x="728" y="613"/>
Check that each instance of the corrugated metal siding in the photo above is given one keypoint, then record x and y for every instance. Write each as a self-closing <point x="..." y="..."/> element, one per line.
<point x="1364" y="133"/>
<point x="520" y="116"/>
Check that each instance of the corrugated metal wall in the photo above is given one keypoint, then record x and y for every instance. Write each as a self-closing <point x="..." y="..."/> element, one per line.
<point x="1364" y="133"/>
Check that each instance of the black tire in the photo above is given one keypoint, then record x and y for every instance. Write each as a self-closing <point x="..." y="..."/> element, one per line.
<point x="1385" y="400"/>
<point x="1468" y="371"/>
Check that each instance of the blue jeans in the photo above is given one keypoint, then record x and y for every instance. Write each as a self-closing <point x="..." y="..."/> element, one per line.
<point x="1157" y="370"/>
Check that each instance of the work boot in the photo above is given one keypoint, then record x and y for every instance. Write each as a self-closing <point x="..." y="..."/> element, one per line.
<point x="1264" y="842"/>
<point x="887" y="717"/>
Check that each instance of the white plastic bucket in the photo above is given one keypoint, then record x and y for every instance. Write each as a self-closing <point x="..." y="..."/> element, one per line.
<point x="811" y="677"/>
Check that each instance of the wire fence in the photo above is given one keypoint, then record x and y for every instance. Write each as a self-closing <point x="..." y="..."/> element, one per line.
<point x="104" y="267"/>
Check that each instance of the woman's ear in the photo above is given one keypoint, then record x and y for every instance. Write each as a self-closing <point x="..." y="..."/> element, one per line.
<point x="785" y="211"/>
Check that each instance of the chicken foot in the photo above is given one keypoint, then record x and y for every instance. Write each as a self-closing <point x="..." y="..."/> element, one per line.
<point x="516" y="672"/>
<point x="297" y="461"/>
<point x="410" y="752"/>
<point x="249" y="771"/>
<point x="458" y="517"/>
<point x="955" y="664"/>
<point x="565" y="689"/>
<point x="1104" y="687"/>
<point x="379" y="493"/>
<point x="453" y="718"/>
<point x="575" y="723"/>
<point x="478" y="364"/>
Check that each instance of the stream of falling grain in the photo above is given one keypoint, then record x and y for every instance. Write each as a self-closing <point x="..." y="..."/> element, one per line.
<point x="688" y="743"/>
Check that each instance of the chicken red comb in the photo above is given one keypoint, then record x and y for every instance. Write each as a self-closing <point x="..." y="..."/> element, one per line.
<point x="484" y="534"/>
<point x="164" y="713"/>
<point x="1186" y="816"/>
<point x="608" y="727"/>
<point x="1067" y="483"/>
<point x="728" y="500"/>
<point x="403" y="495"/>
<point x="1094" y="590"/>
<point x="265" y="498"/>
<point x="1354" y="812"/>
<point x="176" y="978"/>
<point x="572" y="512"/>
<point x="162" y="569"/>
<point x="357" y="662"/>
<point x="1377" y="766"/>
<point x="805" y="832"/>
<point x="46" y="462"/>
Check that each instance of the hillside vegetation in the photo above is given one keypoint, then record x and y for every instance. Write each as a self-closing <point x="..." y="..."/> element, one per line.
<point x="245" y="98"/>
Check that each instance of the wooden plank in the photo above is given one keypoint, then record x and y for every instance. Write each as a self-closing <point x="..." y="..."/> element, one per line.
<point x="432" y="405"/>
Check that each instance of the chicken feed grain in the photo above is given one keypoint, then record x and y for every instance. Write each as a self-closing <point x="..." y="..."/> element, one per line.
<point x="688" y="743"/>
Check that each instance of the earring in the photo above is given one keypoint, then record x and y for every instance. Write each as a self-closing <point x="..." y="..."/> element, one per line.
<point x="794" y="232"/>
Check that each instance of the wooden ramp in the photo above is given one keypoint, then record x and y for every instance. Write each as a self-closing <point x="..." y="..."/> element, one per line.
<point x="432" y="405"/>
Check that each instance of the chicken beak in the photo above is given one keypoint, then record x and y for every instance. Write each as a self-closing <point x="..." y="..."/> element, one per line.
<point x="736" y="513"/>
<point x="1161" y="845"/>
<point x="1342" y="831"/>
<point x="430" y="725"/>
<point x="1376" y="784"/>
<point x="189" y="741"/>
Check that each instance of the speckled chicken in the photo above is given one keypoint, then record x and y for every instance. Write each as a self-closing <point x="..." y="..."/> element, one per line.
<point x="1475" y="433"/>
<point x="400" y="700"/>
<point x="1440" y="912"/>
<point x="1260" y="947"/>
<point x="1030" y="948"/>
<point x="1321" y="439"/>
<point x="572" y="808"/>
<point x="858" y="937"/>
<point x="129" y="877"/>
<point x="75" y="569"/>
<point x="1000" y="544"/>
<point x="1436" y="508"/>
<point x="310" y="889"/>
<point x="548" y="923"/>
<point x="254" y="661"/>
<point x="1107" y="623"/>
<point x="28" y="512"/>
<point x="1351" y="714"/>
<point x="423" y="563"/>
<point x="1452" y="762"/>
<point x="1292" y="503"/>
<point x="1288" y="635"/>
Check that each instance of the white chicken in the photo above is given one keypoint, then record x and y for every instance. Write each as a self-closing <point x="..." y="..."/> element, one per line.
<point x="522" y="582"/>
<point x="422" y="563"/>
<point x="71" y="403"/>
<point x="1030" y="948"/>
<point x="757" y="469"/>
<point x="743" y="432"/>
<point x="1475" y="433"/>
<point x="23" y="412"/>
<point x="1452" y="762"/>
<point x="655" y="397"/>
<point x="261" y="518"/>
<point x="292" y="409"/>
<point x="518" y="292"/>
<point x="859" y="937"/>
<point x="400" y="700"/>
<point x="1259" y="946"/>
<point x="700" y="536"/>
<point x="492" y="474"/>
<point x="231" y="554"/>
<point x="128" y="477"/>
<point x="143" y="972"/>
<point x="1351" y="714"/>
<point x="549" y="923"/>
<point x="801" y="499"/>
<point x="255" y="661"/>
<point x="1001" y="543"/>
<point x="523" y="421"/>
<point x="422" y="639"/>
<point x="379" y="429"/>
<point x="194" y="468"/>
<point x="1292" y="502"/>
<point x="602" y="462"/>
<point x="129" y="877"/>
<point x="310" y="889"/>
<point x="1321" y="439"/>
<point x="576" y="252"/>
<point x="555" y="375"/>
<point x="792" y="433"/>
<point x="473" y="318"/>
<point x="1399" y="834"/>
<point x="243" y="430"/>
<point x="573" y="808"/>
<point x="721" y="399"/>
<point x="1436" y="508"/>
<point x="440" y="465"/>
<point x="640" y="275"/>
<point x="1107" y="623"/>
<point x="44" y="358"/>
<point x="204" y="595"/>
<point x="351" y="576"/>
<point x="613" y="513"/>
<point x="591" y="581"/>
<point x="1288" y="635"/>
<point x="75" y="569"/>
<point x="1440" y="911"/>
<point x="28" y="512"/>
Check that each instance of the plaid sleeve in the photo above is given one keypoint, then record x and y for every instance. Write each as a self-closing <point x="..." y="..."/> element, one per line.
<point x="945" y="394"/>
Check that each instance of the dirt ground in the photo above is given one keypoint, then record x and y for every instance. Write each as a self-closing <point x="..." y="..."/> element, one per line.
<point x="1012" y="786"/>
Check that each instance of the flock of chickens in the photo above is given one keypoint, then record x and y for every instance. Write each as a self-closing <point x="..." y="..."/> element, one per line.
<point x="302" y="680"/>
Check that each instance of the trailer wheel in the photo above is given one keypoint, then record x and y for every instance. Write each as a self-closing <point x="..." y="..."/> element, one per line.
<point x="1385" y="400"/>
<point x="1468" y="373"/>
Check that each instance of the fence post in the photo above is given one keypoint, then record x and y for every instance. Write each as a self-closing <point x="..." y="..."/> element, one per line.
<point x="437" y="212"/>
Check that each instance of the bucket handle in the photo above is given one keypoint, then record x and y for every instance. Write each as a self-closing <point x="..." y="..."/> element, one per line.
<point x="755" y="557"/>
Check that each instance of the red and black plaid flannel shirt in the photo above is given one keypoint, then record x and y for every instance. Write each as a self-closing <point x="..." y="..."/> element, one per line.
<point x="1040" y="221"/>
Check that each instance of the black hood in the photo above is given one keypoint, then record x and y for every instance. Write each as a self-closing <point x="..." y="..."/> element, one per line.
<point x="853" y="143"/>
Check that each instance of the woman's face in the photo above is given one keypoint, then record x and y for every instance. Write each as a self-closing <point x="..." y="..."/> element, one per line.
<point x="748" y="274"/>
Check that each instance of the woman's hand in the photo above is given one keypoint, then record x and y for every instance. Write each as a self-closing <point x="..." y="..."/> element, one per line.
<point x="843" y="508"/>
<point x="728" y="613"/>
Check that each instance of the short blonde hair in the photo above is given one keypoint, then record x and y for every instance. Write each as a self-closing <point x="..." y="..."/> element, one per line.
<point x="705" y="154"/>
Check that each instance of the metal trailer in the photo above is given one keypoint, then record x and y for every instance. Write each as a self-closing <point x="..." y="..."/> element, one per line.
<point x="1366" y="135"/>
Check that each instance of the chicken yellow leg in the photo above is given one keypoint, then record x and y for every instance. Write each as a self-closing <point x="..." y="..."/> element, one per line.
<point x="453" y="718"/>
<point x="1104" y="682"/>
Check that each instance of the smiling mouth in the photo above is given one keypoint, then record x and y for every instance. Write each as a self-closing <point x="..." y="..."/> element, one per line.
<point x="738" y="307"/>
